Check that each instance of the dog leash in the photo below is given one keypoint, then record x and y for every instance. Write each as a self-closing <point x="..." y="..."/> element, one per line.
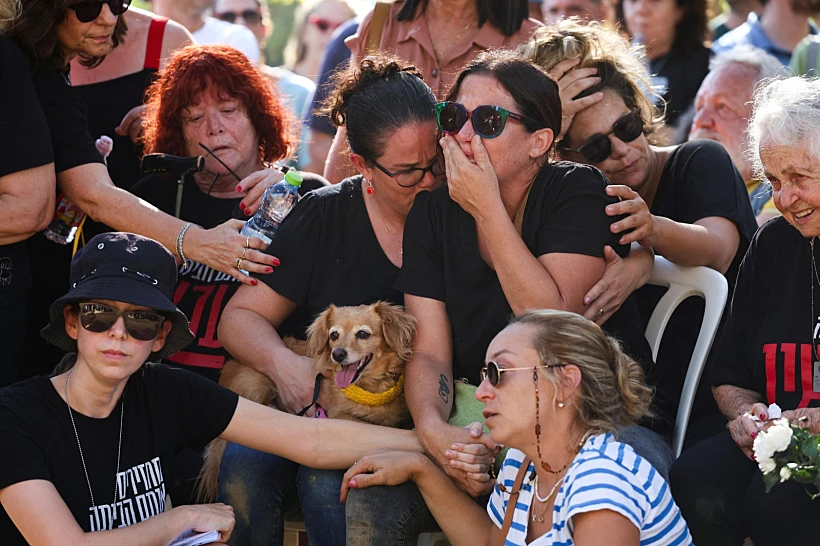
<point x="317" y="386"/>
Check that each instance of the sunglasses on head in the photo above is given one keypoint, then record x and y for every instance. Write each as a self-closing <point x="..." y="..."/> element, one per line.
<point x="598" y="147"/>
<point x="488" y="121"/>
<point x="141" y="325"/>
<point x="88" y="10"/>
<point x="249" y="16"/>
<point x="492" y="371"/>
<point x="323" y="24"/>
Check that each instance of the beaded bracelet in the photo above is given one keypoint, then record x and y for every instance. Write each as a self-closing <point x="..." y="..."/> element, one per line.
<point x="180" y="238"/>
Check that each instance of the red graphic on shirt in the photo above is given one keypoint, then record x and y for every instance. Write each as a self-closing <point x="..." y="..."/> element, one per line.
<point x="789" y="353"/>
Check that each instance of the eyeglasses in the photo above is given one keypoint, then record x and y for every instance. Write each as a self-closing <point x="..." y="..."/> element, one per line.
<point x="88" y="10"/>
<point x="323" y="24"/>
<point x="141" y="325"/>
<point x="249" y="16"/>
<point x="493" y="372"/>
<point x="488" y="121"/>
<point x="598" y="147"/>
<point x="410" y="177"/>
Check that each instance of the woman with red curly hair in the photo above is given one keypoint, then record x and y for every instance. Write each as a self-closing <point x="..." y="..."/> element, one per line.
<point x="212" y="97"/>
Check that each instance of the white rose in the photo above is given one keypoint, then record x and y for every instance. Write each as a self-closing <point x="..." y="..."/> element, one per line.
<point x="785" y="474"/>
<point x="766" y="465"/>
<point x="774" y="440"/>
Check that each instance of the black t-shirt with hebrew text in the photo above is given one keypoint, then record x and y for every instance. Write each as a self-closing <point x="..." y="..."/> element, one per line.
<point x="564" y="213"/>
<point x="166" y="411"/>
<point x="769" y="343"/>
<point x="330" y="255"/>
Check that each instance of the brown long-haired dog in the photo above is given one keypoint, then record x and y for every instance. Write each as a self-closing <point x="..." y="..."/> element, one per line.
<point x="361" y="352"/>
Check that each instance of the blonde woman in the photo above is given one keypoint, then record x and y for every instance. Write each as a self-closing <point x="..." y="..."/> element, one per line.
<point x="555" y="389"/>
<point x="687" y="203"/>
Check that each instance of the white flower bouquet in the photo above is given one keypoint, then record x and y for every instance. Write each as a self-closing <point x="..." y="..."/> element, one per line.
<point x="787" y="452"/>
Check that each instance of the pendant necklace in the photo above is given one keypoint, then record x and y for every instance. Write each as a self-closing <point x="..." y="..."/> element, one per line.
<point x="77" y="436"/>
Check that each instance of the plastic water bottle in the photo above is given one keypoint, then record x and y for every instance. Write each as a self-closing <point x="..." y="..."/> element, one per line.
<point x="67" y="218"/>
<point x="277" y="202"/>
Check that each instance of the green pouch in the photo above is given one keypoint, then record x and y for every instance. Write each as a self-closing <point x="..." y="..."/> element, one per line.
<point x="467" y="410"/>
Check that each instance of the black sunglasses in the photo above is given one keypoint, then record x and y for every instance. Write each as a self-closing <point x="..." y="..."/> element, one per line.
<point x="493" y="372"/>
<point x="250" y="16"/>
<point x="598" y="147"/>
<point x="410" y="177"/>
<point x="488" y="121"/>
<point x="88" y="10"/>
<point x="141" y="325"/>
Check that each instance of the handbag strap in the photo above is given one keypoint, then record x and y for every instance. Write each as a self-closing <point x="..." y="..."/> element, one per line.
<point x="381" y="11"/>
<point x="508" y="514"/>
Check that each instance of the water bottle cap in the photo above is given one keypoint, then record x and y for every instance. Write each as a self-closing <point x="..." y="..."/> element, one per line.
<point x="293" y="178"/>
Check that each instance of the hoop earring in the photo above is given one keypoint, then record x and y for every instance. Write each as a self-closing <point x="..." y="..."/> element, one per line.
<point x="370" y="189"/>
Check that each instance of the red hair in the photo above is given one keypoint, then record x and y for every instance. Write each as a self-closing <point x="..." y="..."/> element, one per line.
<point x="228" y="74"/>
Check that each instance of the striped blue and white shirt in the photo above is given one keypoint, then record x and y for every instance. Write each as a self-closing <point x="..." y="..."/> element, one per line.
<point x="605" y="475"/>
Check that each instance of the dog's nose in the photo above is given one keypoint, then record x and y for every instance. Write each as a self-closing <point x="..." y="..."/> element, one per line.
<point x="339" y="355"/>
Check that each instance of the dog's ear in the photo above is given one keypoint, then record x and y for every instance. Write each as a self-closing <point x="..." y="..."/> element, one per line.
<point x="317" y="332"/>
<point x="399" y="328"/>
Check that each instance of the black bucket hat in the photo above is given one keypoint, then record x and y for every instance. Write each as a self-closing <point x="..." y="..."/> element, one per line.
<point x="128" y="268"/>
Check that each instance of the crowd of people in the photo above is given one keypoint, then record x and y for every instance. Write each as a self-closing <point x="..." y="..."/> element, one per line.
<point x="533" y="158"/>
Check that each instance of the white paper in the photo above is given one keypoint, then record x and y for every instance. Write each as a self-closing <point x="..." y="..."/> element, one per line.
<point x="195" y="539"/>
<point x="773" y="412"/>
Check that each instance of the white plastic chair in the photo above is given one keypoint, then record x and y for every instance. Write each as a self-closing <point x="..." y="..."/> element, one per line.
<point x="684" y="282"/>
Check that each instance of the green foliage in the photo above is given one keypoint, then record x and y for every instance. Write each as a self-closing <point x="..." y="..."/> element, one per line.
<point x="802" y="461"/>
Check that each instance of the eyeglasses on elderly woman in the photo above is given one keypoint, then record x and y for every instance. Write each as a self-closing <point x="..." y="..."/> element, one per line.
<point x="88" y="10"/>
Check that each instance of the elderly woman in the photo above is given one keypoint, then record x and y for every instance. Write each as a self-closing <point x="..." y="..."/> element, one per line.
<point x="341" y="245"/>
<point x="767" y="353"/>
<point x="555" y="388"/>
<point x="107" y="425"/>
<point x="687" y="203"/>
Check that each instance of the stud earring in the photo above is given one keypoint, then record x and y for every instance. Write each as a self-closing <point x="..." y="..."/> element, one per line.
<point x="560" y="404"/>
<point x="370" y="189"/>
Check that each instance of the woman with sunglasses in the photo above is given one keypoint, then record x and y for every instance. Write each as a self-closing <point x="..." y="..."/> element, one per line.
<point x="685" y="202"/>
<point x="316" y="22"/>
<point x="556" y="389"/>
<point x="340" y="245"/>
<point x="86" y="453"/>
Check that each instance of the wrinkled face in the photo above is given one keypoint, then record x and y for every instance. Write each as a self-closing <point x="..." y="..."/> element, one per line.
<point x="627" y="163"/>
<point x="356" y="343"/>
<point x="94" y="39"/>
<point x="795" y="178"/>
<point x="222" y="124"/>
<point x="588" y="10"/>
<point x="508" y="151"/>
<point x="237" y="7"/>
<point x="509" y="407"/>
<point x="722" y="109"/>
<point x="413" y="146"/>
<point x="113" y="355"/>
<point x="655" y="20"/>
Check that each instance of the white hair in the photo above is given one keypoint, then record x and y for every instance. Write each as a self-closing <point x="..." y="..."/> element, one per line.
<point x="786" y="112"/>
<point x="767" y="65"/>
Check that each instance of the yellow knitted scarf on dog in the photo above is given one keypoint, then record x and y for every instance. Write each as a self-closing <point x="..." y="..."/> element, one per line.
<point x="367" y="398"/>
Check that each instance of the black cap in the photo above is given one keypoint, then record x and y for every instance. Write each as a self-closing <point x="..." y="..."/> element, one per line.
<point x="128" y="268"/>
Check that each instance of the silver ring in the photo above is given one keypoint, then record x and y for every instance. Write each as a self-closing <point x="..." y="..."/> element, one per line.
<point x="601" y="312"/>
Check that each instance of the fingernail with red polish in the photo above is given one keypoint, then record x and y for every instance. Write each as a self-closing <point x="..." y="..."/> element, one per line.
<point x="253" y="282"/>
<point x="242" y="206"/>
<point x="276" y="262"/>
<point x="239" y="188"/>
<point x="247" y="212"/>
<point x="763" y="417"/>
<point x="753" y="435"/>
<point x="269" y="270"/>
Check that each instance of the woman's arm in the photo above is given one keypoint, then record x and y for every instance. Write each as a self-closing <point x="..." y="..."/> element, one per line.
<point x="589" y="529"/>
<point x="247" y="329"/>
<point x="42" y="517"/>
<point x="26" y="203"/>
<point x="460" y="517"/>
<point x="739" y="405"/>
<point x="324" y="443"/>
<point x="90" y="188"/>
<point x="622" y="276"/>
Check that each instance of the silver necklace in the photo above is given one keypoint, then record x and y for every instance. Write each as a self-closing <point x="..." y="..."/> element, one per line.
<point x="813" y="276"/>
<point x="82" y="458"/>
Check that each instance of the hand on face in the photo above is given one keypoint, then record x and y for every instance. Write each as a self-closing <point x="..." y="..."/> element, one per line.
<point x="571" y="82"/>
<point x="473" y="186"/>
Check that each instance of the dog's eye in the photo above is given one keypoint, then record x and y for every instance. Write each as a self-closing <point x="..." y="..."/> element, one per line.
<point x="334" y="336"/>
<point x="362" y="334"/>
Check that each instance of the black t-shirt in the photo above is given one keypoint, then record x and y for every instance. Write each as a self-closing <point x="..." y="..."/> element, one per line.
<point x="25" y="143"/>
<point x="330" y="255"/>
<point x="66" y="115"/>
<point x="564" y="213"/>
<point x="698" y="181"/>
<point x="166" y="411"/>
<point x="201" y="292"/>
<point x="770" y="339"/>
<point x="681" y="72"/>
